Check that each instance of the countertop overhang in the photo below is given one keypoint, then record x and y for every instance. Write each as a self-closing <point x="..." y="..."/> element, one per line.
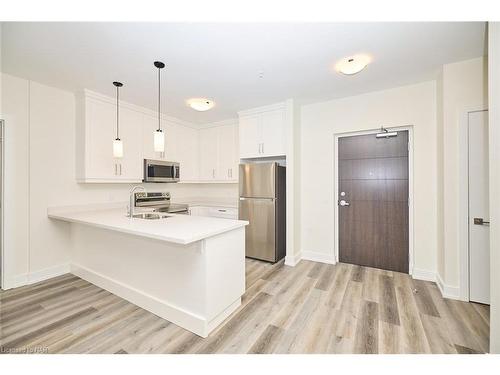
<point x="180" y="229"/>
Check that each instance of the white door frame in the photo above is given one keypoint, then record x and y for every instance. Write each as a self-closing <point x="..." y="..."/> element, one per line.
<point x="463" y="207"/>
<point x="409" y="128"/>
<point x="2" y="202"/>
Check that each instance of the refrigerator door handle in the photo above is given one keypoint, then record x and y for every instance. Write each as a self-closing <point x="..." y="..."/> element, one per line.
<point x="259" y="199"/>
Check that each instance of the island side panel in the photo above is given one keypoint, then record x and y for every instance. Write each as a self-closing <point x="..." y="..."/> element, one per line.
<point x="225" y="274"/>
<point x="165" y="278"/>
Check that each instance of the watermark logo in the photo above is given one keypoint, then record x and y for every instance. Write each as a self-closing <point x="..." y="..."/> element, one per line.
<point x="25" y="350"/>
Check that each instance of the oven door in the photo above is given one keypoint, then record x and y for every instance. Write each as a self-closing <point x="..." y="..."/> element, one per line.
<point x="161" y="171"/>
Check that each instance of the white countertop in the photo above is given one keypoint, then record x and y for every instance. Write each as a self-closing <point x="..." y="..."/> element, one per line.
<point x="181" y="229"/>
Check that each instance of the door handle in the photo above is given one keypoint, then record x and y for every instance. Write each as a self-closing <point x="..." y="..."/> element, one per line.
<point x="343" y="203"/>
<point x="257" y="199"/>
<point x="480" y="221"/>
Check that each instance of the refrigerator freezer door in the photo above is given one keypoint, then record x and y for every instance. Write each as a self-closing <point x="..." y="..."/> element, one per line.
<point x="260" y="234"/>
<point x="258" y="180"/>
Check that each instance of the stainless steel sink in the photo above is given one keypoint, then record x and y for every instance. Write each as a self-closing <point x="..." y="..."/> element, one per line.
<point x="150" y="216"/>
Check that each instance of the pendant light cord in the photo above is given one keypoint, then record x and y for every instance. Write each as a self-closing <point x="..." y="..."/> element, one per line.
<point x="159" y="86"/>
<point x="117" y="112"/>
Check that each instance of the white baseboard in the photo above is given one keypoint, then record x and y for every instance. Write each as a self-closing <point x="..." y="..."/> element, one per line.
<point x="426" y="275"/>
<point x="15" y="281"/>
<point x="292" y="260"/>
<point x="48" y="273"/>
<point x="186" y="319"/>
<point x="447" y="291"/>
<point x="318" y="257"/>
<point x="36" y="276"/>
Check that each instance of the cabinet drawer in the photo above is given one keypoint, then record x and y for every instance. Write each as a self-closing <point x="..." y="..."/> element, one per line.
<point x="224" y="212"/>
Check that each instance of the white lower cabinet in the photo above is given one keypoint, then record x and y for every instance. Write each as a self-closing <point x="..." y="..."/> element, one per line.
<point x="213" y="211"/>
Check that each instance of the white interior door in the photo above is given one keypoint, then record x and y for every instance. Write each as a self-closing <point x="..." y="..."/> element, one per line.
<point x="1" y="200"/>
<point x="479" y="230"/>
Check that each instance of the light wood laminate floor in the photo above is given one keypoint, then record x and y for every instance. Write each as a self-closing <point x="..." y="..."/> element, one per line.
<point x="310" y="308"/>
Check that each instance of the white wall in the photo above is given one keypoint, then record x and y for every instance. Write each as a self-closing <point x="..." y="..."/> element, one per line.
<point x="410" y="105"/>
<point x="40" y="172"/>
<point x="494" y="134"/>
<point x="464" y="88"/>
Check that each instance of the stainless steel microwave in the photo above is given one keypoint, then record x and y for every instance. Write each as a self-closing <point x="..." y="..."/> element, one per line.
<point x="161" y="171"/>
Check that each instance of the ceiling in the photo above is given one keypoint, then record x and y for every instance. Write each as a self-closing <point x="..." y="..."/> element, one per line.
<point x="238" y="65"/>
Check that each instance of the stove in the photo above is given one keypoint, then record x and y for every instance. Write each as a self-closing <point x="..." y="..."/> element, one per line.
<point x="160" y="202"/>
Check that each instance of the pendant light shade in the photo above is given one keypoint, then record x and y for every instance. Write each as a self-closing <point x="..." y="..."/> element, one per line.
<point x="118" y="148"/>
<point x="117" y="143"/>
<point x="159" y="141"/>
<point x="159" y="137"/>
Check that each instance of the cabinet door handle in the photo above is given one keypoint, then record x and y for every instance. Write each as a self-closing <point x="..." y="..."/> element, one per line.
<point x="120" y="169"/>
<point x="260" y="144"/>
<point x="213" y="173"/>
<point x="116" y="169"/>
<point x="262" y="147"/>
<point x="231" y="172"/>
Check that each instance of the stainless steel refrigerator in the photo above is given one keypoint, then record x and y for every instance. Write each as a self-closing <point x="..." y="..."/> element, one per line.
<point x="263" y="203"/>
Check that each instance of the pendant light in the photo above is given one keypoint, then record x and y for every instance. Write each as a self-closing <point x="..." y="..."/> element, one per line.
<point x="117" y="143"/>
<point x="159" y="138"/>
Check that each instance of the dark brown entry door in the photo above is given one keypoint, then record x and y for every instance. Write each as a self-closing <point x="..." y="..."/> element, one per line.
<point x="373" y="201"/>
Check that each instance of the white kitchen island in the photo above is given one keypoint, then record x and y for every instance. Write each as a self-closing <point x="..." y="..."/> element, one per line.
<point x="188" y="270"/>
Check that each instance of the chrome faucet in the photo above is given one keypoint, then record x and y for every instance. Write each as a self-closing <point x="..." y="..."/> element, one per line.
<point x="131" y="204"/>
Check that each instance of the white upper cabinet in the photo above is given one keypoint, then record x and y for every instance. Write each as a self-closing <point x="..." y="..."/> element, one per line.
<point x="96" y="130"/>
<point x="130" y="166"/>
<point x="273" y="133"/>
<point x="209" y="154"/>
<point x="262" y="132"/>
<point x="228" y="153"/>
<point x="169" y="130"/>
<point x="188" y="153"/>
<point x="219" y="153"/>
<point x="100" y="119"/>
<point x="206" y="155"/>
<point x="250" y="130"/>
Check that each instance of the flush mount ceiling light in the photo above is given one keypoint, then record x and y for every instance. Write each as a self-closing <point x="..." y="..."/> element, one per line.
<point x="353" y="64"/>
<point x="159" y="138"/>
<point x="117" y="143"/>
<point x="201" y="104"/>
